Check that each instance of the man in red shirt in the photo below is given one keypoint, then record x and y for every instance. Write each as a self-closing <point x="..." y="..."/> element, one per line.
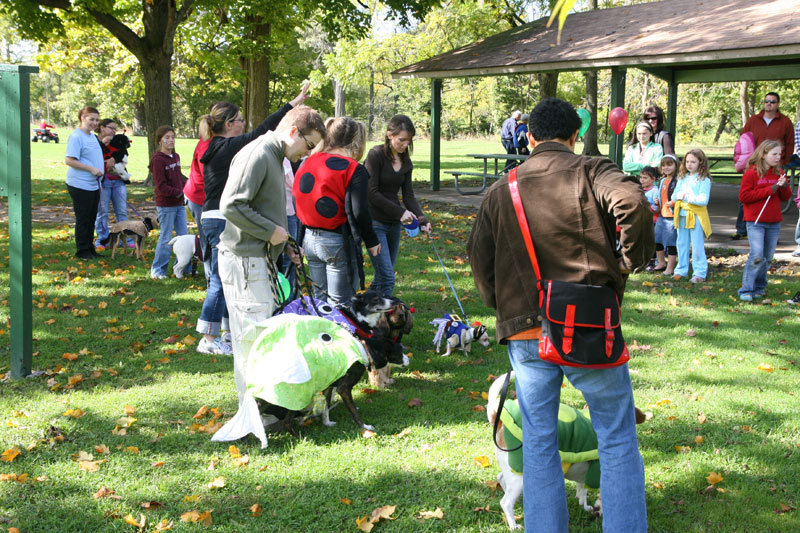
<point x="769" y="124"/>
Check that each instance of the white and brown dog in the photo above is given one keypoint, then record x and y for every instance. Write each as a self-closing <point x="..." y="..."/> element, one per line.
<point x="457" y="334"/>
<point x="577" y="447"/>
<point x="187" y="250"/>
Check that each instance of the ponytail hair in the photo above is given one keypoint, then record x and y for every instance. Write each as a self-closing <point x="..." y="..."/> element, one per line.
<point x="346" y="133"/>
<point x="87" y="111"/>
<point x="214" y="122"/>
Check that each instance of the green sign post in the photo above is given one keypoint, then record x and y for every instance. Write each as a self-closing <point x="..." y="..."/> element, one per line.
<point x="15" y="183"/>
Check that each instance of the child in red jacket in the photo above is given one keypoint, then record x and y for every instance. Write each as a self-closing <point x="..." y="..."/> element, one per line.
<point x="764" y="186"/>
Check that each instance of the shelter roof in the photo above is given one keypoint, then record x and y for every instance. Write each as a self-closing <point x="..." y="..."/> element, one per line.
<point x="660" y="37"/>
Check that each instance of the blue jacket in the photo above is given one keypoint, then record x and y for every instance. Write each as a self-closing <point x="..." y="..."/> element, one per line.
<point x="517" y="143"/>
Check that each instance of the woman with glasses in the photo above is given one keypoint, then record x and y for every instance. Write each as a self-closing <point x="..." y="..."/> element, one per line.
<point x="654" y="116"/>
<point x="225" y="126"/>
<point x="113" y="191"/>
<point x="332" y="201"/>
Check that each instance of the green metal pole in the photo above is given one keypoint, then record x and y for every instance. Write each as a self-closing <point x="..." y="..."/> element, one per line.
<point x="436" y="132"/>
<point x="15" y="150"/>
<point x="617" y="100"/>
<point x="672" y="109"/>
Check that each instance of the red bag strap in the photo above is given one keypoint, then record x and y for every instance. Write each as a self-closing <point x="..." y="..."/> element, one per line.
<point x="513" y="188"/>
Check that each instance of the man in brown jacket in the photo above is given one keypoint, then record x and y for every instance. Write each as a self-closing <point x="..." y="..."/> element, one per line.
<point x="573" y="204"/>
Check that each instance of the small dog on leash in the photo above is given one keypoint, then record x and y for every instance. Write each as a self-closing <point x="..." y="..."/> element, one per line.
<point x="136" y="229"/>
<point x="577" y="443"/>
<point x="363" y="311"/>
<point x="187" y="250"/>
<point x="457" y="334"/>
<point x="391" y="327"/>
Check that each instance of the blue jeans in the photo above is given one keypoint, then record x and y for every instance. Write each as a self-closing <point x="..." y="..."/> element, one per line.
<point x="115" y="193"/>
<point x="695" y="238"/>
<point x="741" y="226"/>
<point x="383" y="263"/>
<point x="609" y="395"/>
<point x="509" y="146"/>
<point x="214" y="311"/>
<point x="328" y="265"/>
<point x="797" y="233"/>
<point x="197" y="212"/>
<point x="763" y="238"/>
<point x="169" y="218"/>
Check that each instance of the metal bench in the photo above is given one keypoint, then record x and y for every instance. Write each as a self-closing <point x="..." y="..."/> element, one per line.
<point x="483" y="175"/>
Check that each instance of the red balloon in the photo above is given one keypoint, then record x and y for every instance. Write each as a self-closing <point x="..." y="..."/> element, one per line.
<point x="618" y="119"/>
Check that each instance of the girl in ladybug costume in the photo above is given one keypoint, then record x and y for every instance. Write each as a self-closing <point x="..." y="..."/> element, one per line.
<point x="330" y="192"/>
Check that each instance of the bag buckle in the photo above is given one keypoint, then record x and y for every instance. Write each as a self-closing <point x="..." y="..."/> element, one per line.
<point x="609" y="333"/>
<point x="569" y="329"/>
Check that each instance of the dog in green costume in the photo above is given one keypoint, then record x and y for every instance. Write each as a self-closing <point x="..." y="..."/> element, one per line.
<point x="577" y="445"/>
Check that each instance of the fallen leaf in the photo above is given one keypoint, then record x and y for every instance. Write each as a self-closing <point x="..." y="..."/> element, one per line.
<point x="484" y="509"/>
<point x="368" y="391"/>
<point x="234" y="451"/>
<point x="203" y="411"/>
<point x="172" y="339"/>
<point x="482" y="461"/>
<point x="714" y="478"/>
<point x="216" y="483"/>
<point x="129" y="519"/>
<point x="241" y="461"/>
<point x="699" y="439"/>
<point x="427" y="515"/>
<point x="90" y="466"/>
<point x="701" y="418"/>
<point x="658" y="485"/>
<point x="367" y="434"/>
<point x="345" y="501"/>
<point x="255" y="509"/>
<point x="479" y="408"/>
<point x="406" y="431"/>
<point x="492" y="484"/>
<point x="164" y="525"/>
<point x="683" y="449"/>
<point x="103" y="493"/>
<point x="157" y="464"/>
<point x="363" y="524"/>
<point x="69" y="356"/>
<point x="74" y="413"/>
<point x="149" y="506"/>
<point x="189" y="498"/>
<point x="10" y="454"/>
<point x="766" y="367"/>
<point x="414" y="402"/>
<point x="132" y="449"/>
<point x="691" y="333"/>
<point x="382" y="513"/>
<point x="129" y="410"/>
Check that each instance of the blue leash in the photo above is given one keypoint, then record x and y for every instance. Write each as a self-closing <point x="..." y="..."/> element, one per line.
<point x="463" y="313"/>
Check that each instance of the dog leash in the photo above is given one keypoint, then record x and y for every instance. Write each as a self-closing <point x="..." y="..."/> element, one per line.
<point x="439" y="257"/>
<point x="503" y="392"/>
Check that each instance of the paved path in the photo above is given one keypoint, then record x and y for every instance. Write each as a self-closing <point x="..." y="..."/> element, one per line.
<point x="722" y="210"/>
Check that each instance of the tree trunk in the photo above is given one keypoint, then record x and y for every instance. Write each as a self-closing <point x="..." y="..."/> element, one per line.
<point x="339" y="98"/>
<point x="256" y="98"/>
<point x="157" y="98"/>
<point x="139" y="128"/>
<point x="744" y="102"/>
<point x="722" y="120"/>
<point x="548" y="84"/>
<point x="590" y="138"/>
<point x="371" y="103"/>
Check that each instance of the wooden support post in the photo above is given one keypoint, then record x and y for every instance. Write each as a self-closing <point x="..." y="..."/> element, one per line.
<point x="15" y="182"/>
<point x="672" y="109"/>
<point x="436" y="131"/>
<point x="617" y="100"/>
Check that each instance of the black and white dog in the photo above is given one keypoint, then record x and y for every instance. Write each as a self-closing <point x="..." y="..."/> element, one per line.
<point x="119" y="151"/>
<point x="363" y="311"/>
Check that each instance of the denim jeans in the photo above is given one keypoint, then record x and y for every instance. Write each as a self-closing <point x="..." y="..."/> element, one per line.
<point x="383" y="263"/>
<point x="741" y="226"/>
<point x="197" y="212"/>
<point x="328" y="265"/>
<point x="169" y="218"/>
<point x="697" y="239"/>
<point x="763" y="238"/>
<point x="797" y="232"/>
<point x="509" y="146"/>
<point x="84" y="204"/>
<point x="214" y="311"/>
<point x="609" y="395"/>
<point x="112" y="192"/>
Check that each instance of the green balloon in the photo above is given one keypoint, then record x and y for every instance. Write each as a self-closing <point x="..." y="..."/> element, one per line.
<point x="284" y="289"/>
<point x="586" y="120"/>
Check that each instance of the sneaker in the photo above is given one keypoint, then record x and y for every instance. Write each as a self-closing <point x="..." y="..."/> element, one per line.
<point x="746" y="297"/>
<point x="796" y="253"/>
<point x="158" y="276"/>
<point x="697" y="279"/>
<point x="131" y="244"/>
<point x="795" y="299"/>
<point x="758" y="295"/>
<point x="215" y="347"/>
<point x="738" y="237"/>
<point x="226" y="338"/>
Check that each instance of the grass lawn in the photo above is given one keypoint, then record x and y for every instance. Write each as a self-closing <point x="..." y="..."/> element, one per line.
<point x="123" y="384"/>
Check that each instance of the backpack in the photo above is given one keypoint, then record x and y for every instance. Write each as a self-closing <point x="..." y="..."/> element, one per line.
<point x="744" y="148"/>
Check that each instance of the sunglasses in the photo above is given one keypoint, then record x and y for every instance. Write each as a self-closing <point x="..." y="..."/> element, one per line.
<point x="770" y="101"/>
<point x="651" y="118"/>
<point x="308" y="143"/>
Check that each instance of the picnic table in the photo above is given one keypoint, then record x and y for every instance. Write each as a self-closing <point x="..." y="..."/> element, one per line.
<point x="486" y="174"/>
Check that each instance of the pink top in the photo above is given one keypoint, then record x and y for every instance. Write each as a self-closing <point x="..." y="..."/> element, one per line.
<point x="194" y="185"/>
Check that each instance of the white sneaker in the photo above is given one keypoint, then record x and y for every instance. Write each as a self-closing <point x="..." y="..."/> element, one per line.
<point x="226" y="338"/>
<point x="157" y="276"/>
<point x="215" y="347"/>
<point x="796" y="253"/>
